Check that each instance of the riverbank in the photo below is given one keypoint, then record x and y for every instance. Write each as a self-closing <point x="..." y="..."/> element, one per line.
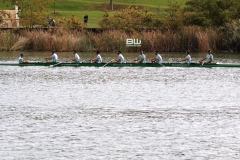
<point x="194" y="39"/>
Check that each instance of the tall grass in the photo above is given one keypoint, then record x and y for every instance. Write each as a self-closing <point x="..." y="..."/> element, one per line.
<point x="8" y="39"/>
<point x="189" y="38"/>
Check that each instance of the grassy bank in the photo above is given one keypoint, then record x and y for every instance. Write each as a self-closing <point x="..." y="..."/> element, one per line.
<point x="191" y="38"/>
<point x="95" y="8"/>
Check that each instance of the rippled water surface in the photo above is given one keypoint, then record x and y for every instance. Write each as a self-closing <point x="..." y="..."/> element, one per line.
<point x="119" y="113"/>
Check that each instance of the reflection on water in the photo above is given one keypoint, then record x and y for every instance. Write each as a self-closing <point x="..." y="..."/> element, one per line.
<point x="119" y="113"/>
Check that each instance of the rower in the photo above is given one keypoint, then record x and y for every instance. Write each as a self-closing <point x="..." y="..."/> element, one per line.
<point x="120" y="58"/>
<point x="54" y="57"/>
<point x="76" y="57"/>
<point x="208" y="58"/>
<point x="21" y="59"/>
<point x="157" y="58"/>
<point x="187" y="59"/>
<point x="98" y="59"/>
<point x="141" y="58"/>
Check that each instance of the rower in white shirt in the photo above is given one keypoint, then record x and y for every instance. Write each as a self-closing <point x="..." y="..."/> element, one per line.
<point x="187" y="59"/>
<point x="54" y="57"/>
<point x="21" y="59"/>
<point x="76" y="57"/>
<point x="208" y="58"/>
<point x="98" y="59"/>
<point x="141" y="58"/>
<point x="157" y="59"/>
<point x="120" y="58"/>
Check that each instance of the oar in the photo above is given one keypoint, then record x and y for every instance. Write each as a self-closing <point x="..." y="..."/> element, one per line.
<point x="162" y="65"/>
<point x="56" y="64"/>
<point x="107" y="63"/>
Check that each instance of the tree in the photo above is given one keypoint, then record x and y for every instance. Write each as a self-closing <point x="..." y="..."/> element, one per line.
<point x="111" y="5"/>
<point x="173" y="18"/>
<point x="129" y="19"/>
<point x="73" y="22"/>
<point x="211" y="12"/>
<point x="33" y="12"/>
<point x="231" y="40"/>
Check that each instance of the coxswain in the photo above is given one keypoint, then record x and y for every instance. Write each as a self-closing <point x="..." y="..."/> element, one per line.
<point x="21" y="59"/>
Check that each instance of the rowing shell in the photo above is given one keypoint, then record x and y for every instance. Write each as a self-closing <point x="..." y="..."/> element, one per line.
<point x="123" y="64"/>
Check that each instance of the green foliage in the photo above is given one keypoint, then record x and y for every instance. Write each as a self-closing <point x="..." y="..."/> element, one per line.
<point x="94" y="8"/>
<point x="173" y="18"/>
<point x="231" y="40"/>
<point x="11" y="1"/>
<point x="73" y="22"/>
<point x="211" y="12"/>
<point x="130" y="19"/>
<point x="33" y="12"/>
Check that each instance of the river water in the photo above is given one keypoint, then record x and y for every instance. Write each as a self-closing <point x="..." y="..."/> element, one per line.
<point x="119" y="113"/>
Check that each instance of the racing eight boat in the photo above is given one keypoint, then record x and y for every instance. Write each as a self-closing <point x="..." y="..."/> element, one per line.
<point x="68" y="64"/>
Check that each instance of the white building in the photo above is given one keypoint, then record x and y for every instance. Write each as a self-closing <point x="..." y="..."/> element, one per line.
<point x="13" y="21"/>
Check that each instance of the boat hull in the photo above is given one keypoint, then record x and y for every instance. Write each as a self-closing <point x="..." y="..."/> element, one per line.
<point x="210" y="65"/>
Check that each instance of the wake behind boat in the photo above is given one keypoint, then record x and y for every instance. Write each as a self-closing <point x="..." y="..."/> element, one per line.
<point x="68" y="64"/>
